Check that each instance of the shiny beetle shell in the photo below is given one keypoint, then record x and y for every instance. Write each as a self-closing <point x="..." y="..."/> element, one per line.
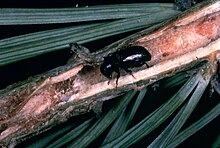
<point x="128" y="58"/>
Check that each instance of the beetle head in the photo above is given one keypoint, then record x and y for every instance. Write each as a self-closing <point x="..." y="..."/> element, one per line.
<point x="107" y="69"/>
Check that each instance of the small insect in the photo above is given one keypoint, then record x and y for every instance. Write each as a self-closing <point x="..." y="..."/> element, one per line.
<point x="127" y="58"/>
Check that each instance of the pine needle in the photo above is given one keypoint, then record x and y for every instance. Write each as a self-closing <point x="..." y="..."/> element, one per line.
<point x="26" y="46"/>
<point x="157" y="117"/>
<point x="173" y="128"/>
<point x="124" y="119"/>
<point x="17" y="16"/>
<point x="86" y="138"/>
<point x="207" y="118"/>
<point x="68" y="137"/>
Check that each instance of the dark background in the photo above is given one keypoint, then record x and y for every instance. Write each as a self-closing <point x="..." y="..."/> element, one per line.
<point x="21" y="70"/>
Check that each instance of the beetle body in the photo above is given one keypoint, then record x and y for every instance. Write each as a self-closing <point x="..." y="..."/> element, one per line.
<point x="126" y="59"/>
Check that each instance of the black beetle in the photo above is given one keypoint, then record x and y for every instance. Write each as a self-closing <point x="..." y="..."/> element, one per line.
<point x="134" y="56"/>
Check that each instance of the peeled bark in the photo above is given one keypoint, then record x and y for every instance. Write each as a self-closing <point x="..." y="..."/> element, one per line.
<point x="39" y="103"/>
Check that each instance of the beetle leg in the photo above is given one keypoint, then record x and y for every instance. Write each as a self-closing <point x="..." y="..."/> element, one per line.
<point x="147" y="65"/>
<point x="130" y="72"/>
<point x="109" y="79"/>
<point x="118" y="76"/>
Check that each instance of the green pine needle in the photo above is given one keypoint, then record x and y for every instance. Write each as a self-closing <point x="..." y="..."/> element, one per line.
<point x="98" y="128"/>
<point x="207" y="118"/>
<point x="216" y="144"/>
<point x="26" y="46"/>
<point x="17" y="16"/>
<point x="157" y="117"/>
<point x="44" y="141"/>
<point x="124" y="119"/>
<point x="71" y="135"/>
<point x="121" y="18"/>
<point x="171" y="131"/>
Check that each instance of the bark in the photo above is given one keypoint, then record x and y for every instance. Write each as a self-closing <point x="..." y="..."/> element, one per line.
<point x="39" y="103"/>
